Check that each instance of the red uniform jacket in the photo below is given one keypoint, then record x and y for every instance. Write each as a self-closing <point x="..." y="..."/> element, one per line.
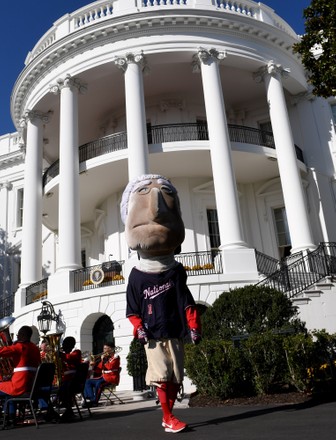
<point x="26" y="359"/>
<point x="70" y="363"/>
<point x="109" y="370"/>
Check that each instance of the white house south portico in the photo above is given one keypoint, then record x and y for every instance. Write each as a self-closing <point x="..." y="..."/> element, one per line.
<point x="210" y="95"/>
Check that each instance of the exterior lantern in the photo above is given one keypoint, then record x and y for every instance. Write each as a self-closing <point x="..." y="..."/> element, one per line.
<point x="46" y="316"/>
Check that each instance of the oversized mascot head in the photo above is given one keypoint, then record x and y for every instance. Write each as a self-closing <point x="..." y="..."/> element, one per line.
<point x="150" y="210"/>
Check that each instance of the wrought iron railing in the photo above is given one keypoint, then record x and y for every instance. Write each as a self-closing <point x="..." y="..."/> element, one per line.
<point x="37" y="291"/>
<point x="105" y="145"/>
<point x="111" y="273"/>
<point x="291" y="276"/>
<point x="195" y="263"/>
<point x="99" y="275"/>
<point x="201" y="263"/>
<point x="7" y="305"/>
<point x="291" y="258"/>
<point x="168" y="133"/>
<point x="99" y="147"/>
<point x="312" y="267"/>
<point x="266" y="265"/>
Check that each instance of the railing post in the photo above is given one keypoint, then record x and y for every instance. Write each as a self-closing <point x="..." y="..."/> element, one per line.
<point x="325" y="257"/>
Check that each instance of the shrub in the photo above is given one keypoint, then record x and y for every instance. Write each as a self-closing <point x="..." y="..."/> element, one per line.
<point x="311" y="361"/>
<point x="299" y="351"/>
<point x="217" y="369"/>
<point x="266" y="358"/>
<point x="136" y="359"/>
<point x="243" y="351"/>
<point x="247" y="310"/>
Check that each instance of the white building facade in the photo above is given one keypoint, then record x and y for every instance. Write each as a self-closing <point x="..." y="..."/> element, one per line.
<point x="205" y="92"/>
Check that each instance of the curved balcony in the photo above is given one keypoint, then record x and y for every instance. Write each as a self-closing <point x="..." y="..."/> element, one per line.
<point x="168" y="133"/>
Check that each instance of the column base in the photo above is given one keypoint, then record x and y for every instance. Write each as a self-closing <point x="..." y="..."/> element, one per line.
<point x="59" y="284"/>
<point x="235" y="245"/>
<point x="307" y="247"/>
<point x="20" y="298"/>
<point x="240" y="261"/>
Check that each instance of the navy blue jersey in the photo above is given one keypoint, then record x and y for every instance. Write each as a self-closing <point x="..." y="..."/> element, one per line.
<point x="160" y="300"/>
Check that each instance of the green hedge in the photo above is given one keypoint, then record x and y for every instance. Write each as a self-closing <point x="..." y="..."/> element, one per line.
<point x="254" y="343"/>
<point x="262" y="364"/>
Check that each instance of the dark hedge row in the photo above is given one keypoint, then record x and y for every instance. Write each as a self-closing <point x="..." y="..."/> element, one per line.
<point x="255" y="344"/>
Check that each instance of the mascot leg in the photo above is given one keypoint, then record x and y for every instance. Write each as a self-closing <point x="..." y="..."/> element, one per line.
<point x="167" y="392"/>
<point x="162" y="392"/>
<point x="172" y="391"/>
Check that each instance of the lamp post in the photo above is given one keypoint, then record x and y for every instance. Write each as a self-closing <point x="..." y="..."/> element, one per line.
<point x="46" y="316"/>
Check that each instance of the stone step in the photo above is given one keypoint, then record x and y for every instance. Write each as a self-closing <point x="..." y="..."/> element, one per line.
<point x="300" y="300"/>
<point x="312" y="293"/>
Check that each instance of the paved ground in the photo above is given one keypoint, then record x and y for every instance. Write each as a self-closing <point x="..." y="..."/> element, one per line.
<point x="141" y="420"/>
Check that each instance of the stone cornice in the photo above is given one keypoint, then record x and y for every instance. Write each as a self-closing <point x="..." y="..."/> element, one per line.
<point x="139" y="25"/>
<point x="14" y="158"/>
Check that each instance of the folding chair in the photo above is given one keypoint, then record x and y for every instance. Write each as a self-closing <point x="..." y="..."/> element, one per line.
<point x="41" y="389"/>
<point x="108" y="390"/>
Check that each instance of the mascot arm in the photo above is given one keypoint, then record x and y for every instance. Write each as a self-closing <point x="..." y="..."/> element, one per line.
<point x="194" y="324"/>
<point x="193" y="318"/>
<point x="136" y="321"/>
<point x="139" y="332"/>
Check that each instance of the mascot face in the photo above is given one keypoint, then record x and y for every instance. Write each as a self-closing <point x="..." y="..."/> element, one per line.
<point x="154" y="225"/>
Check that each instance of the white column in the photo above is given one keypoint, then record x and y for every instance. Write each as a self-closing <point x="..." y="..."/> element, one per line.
<point x="294" y="198"/>
<point x="228" y="210"/>
<point x="6" y="281"/>
<point x="31" y="253"/>
<point x="133" y="66"/>
<point x="69" y="234"/>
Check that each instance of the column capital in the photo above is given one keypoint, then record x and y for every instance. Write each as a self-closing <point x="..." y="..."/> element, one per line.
<point x="6" y="185"/>
<point x="206" y="56"/>
<point x="68" y="82"/>
<point x="31" y="115"/>
<point x="271" y="69"/>
<point x="131" y="58"/>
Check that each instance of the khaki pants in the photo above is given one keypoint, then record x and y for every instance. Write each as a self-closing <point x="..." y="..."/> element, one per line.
<point x="165" y="359"/>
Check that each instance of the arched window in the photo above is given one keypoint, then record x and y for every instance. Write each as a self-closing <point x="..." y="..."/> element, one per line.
<point x="102" y="332"/>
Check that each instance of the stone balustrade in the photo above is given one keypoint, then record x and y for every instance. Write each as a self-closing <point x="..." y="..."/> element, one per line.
<point x="105" y="10"/>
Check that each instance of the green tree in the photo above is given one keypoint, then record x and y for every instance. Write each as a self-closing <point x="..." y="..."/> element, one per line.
<point x="318" y="46"/>
<point x="136" y="359"/>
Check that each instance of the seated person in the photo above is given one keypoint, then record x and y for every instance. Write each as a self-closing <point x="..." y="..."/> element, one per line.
<point x="70" y="358"/>
<point x="106" y="371"/>
<point x="45" y="351"/>
<point x="25" y="358"/>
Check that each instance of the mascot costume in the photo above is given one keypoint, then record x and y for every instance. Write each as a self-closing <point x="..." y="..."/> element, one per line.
<point x="159" y="304"/>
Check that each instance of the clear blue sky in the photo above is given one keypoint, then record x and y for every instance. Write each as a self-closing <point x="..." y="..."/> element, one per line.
<point x="25" y="21"/>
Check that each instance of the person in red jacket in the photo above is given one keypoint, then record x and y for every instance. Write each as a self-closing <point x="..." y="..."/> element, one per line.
<point x="70" y="358"/>
<point x="25" y="356"/>
<point x="160" y="305"/>
<point x="105" y="371"/>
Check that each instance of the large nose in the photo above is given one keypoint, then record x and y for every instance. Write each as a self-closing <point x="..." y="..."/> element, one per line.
<point x="158" y="206"/>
